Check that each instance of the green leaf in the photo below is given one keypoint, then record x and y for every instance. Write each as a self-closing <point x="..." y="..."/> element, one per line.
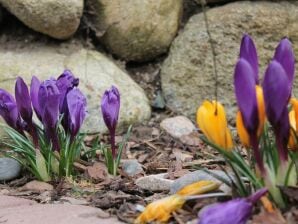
<point x="42" y="167"/>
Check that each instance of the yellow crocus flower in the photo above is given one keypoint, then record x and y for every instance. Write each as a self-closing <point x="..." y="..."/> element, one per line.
<point x="211" y="119"/>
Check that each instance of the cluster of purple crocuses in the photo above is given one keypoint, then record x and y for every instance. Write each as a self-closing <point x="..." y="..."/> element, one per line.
<point x="50" y="100"/>
<point x="277" y="88"/>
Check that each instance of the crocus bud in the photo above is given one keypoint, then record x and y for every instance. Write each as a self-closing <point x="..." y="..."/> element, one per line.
<point x="23" y="100"/>
<point x="34" y="89"/>
<point x="236" y="211"/>
<point x="211" y="119"/>
<point x="9" y="111"/>
<point x="76" y="104"/>
<point x="110" y="105"/>
<point x="277" y="92"/>
<point x="66" y="82"/>
<point x="49" y="99"/>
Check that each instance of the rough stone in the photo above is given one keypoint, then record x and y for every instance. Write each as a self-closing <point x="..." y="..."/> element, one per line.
<point x="132" y="167"/>
<point x="9" y="169"/>
<point x="16" y="210"/>
<point x="198" y="176"/>
<point x="136" y="30"/>
<point x="178" y="126"/>
<point x="154" y="182"/>
<point x="96" y="72"/>
<point x="58" y="19"/>
<point x="187" y="74"/>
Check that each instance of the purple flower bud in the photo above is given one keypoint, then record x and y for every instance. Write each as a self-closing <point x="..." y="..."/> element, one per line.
<point x="66" y="82"/>
<point x="34" y="89"/>
<point x="9" y="111"/>
<point x="49" y="99"/>
<point x="277" y="92"/>
<point x="236" y="211"/>
<point x="23" y="100"/>
<point x="110" y="105"/>
<point x="76" y="104"/>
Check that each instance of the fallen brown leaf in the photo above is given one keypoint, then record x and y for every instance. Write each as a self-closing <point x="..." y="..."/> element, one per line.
<point x="97" y="173"/>
<point x="269" y="218"/>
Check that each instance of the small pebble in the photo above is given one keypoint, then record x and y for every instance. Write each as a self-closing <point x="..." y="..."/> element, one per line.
<point x="178" y="126"/>
<point x="132" y="167"/>
<point x="154" y="182"/>
<point x="9" y="169"/>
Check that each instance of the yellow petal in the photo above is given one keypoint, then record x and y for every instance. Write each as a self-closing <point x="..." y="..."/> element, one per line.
<point x="294" y="103"/>
<point x="242" y="133"/>
<point x="160" y="210"/>
<point x="261" y="109"/>
<point x="199" y="187"/>
<point x="211" y="119"/>
<point x="292" y="144"/>
<point x="267" y="204"/>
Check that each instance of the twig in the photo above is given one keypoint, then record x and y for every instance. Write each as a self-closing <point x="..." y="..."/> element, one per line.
<point x="203" y="3"/>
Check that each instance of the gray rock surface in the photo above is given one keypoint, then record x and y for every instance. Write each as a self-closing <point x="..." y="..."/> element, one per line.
<point x="187" y="74"/>
<point x="9" y="169"/>
<point x="58" y="19"/>
<point x="17" y="210"/>
<point x="154" y="182"/>
<point x="96" y="72"/>
<point x="132" y="167"/>
<point x="198" y="176"/>
<point x="136" y="30"/>
<point x="178" y="126"/>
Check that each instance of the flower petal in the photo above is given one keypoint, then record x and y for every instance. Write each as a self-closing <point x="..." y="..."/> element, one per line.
<point x="161" y="210"/>
<point x="245" y="91"/>
<point x="277" y="91"/>
<point x="23" y="100"/>
<point x="199" y="187"/>
<point x="34" y="89"/>
<point x="248" y="52"/>
<point x="284" y="54"/>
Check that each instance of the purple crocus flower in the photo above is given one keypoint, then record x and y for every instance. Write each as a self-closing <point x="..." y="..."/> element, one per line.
<point x="9" y="111"/>
<point x="24" y="106"/>
<point x="34" y="89"/>
<point x="48" y="100"/>
<point x="76" y="105"/>
<point x="110" y="105"/>
<point x="236" y="211"/>
<point x="66" y="82"/>
<point x="245" y="81"/>
<point x="277" y="92"/>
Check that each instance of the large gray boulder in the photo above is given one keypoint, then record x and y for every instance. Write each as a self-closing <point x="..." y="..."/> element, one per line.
<point x="58" y="19"/>
<point x="96" y="72"/>
<point x="136" y="30"/>
<point x="187" y="74"/>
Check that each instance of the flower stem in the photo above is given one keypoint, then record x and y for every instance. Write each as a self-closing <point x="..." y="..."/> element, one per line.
<point x="255" y="145"/>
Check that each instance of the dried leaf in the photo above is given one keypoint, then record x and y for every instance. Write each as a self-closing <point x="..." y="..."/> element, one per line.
<point x="269" y="218"/>
<point x="291" y="192"/>
<point x="199" y="187"/>
<point x="160" y="210"/>
<point x="98" y="172"/>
